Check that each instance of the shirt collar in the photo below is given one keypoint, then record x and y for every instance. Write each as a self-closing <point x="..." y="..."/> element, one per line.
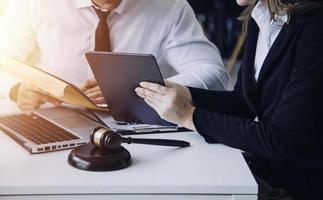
<point x="120" y="9"/>
<point x="262" y="17"/>
<point x="88" y="3"/>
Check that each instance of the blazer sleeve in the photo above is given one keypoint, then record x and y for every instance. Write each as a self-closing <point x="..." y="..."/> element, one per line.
<point x="225" y="102"/>
<point x="296" y="123"/>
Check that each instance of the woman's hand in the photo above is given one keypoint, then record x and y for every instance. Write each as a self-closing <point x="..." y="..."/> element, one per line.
<point x="92" y="90"/>
<point x="30" y="97"/>
<point x="173" y="102"/>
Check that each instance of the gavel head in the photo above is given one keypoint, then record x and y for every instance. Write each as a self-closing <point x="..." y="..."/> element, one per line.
<point x="105" y="138"/>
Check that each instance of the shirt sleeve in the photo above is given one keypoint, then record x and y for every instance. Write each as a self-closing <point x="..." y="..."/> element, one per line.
<point x="186" y="48"/>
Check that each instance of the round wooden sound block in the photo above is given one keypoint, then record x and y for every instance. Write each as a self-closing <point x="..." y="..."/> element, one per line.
<point x="91" y="158"/>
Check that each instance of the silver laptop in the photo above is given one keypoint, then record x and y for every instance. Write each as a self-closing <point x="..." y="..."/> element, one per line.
<point x="47" y="130"/>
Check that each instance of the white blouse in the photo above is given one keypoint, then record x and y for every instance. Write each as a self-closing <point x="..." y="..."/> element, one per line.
<point x="268" y="31"/>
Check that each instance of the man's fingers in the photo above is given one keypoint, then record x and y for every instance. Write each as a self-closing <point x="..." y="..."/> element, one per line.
<point x="92" y="90"/>
<point x="51" y="100"/>
<point x="31" y="97"/>
<point x="154" y="87"/>
<point x="36" y="98"/>
<point x="28" y="99"/>
<point x="42" y="98"/>
<point x="25" y="103"/>
<point x="99" y="100"/>
<point x="25" y="107"/>
<point x="95" y="95"/>
<point x="31" y="88"/>
<point x="89" y="84"/>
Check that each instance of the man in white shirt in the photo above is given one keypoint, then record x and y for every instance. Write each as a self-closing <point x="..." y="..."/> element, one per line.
<point x="56" y="34"/>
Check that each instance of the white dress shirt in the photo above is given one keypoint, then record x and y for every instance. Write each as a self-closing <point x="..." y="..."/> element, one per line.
<point x="268" y="31"/>
<point x="55" y="34"/>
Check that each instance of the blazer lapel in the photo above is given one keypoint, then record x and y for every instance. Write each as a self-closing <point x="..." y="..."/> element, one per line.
<point x="248" y="80"/>
<point x="283" y="39"/>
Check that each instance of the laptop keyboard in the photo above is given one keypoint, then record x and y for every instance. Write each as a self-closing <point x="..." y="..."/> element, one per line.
<point x="36" y="129"/>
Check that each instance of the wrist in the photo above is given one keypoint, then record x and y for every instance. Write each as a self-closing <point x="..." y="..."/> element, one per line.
<point x="188" y="118"/>
<point x="189" y="96"/>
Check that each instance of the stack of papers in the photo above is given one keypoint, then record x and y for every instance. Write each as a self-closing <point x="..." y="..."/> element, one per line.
<point x="126" y="128"/>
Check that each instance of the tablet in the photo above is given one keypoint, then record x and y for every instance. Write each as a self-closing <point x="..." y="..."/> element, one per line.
<point x="118" y="75"/>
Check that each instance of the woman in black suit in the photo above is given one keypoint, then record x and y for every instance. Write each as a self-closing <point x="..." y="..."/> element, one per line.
<point x="275" y="111"/>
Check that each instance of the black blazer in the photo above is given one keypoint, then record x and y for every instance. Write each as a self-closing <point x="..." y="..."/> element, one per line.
<point x="288" y="101"/>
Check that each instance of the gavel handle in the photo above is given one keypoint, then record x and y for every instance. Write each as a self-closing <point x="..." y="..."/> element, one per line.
<point x="159" y="142"/>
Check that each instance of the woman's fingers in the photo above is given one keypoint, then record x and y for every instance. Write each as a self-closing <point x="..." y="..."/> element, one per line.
<point x="153" y="99"/>
<point x="172" y="103"/>
<point x="154" y="87"/>
<point x="152" y="103"/>
<point x="169" y="84"/>
<point x="143" y="93"/>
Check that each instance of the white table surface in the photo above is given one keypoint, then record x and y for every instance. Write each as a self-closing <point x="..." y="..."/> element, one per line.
<point x="202" y="171"/>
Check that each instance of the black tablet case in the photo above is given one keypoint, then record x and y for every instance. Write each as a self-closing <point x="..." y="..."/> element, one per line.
<point x="118" y="75"/>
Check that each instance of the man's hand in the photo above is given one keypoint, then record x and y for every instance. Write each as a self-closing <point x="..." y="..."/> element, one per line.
<point x="30" y="97"/>
<point x="173" y="102"/>
<point x="92" y="90"/>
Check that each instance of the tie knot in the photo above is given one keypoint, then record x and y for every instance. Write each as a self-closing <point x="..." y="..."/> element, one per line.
<point x="103" y="15"/>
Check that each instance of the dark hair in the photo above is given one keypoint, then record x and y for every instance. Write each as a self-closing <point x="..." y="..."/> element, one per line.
<point x="279" y="7"/>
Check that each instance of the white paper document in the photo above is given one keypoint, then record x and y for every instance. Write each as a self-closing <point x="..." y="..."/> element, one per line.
<point x="108" y="120"/>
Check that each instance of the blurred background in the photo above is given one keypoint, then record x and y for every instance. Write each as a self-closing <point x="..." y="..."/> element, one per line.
<point x="2" y="6"/>
<point x="219" y="20"/>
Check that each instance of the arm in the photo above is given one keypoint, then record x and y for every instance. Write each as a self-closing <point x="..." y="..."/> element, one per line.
<point x="294" y="128"/>
<point x="225" y="102"/>
<point x="17" y="40"/>
<point x="296" y="122"/>
<point x="197" y="61"/>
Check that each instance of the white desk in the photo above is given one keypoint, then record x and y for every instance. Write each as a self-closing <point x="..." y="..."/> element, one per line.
<point x="200" y="172"/>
